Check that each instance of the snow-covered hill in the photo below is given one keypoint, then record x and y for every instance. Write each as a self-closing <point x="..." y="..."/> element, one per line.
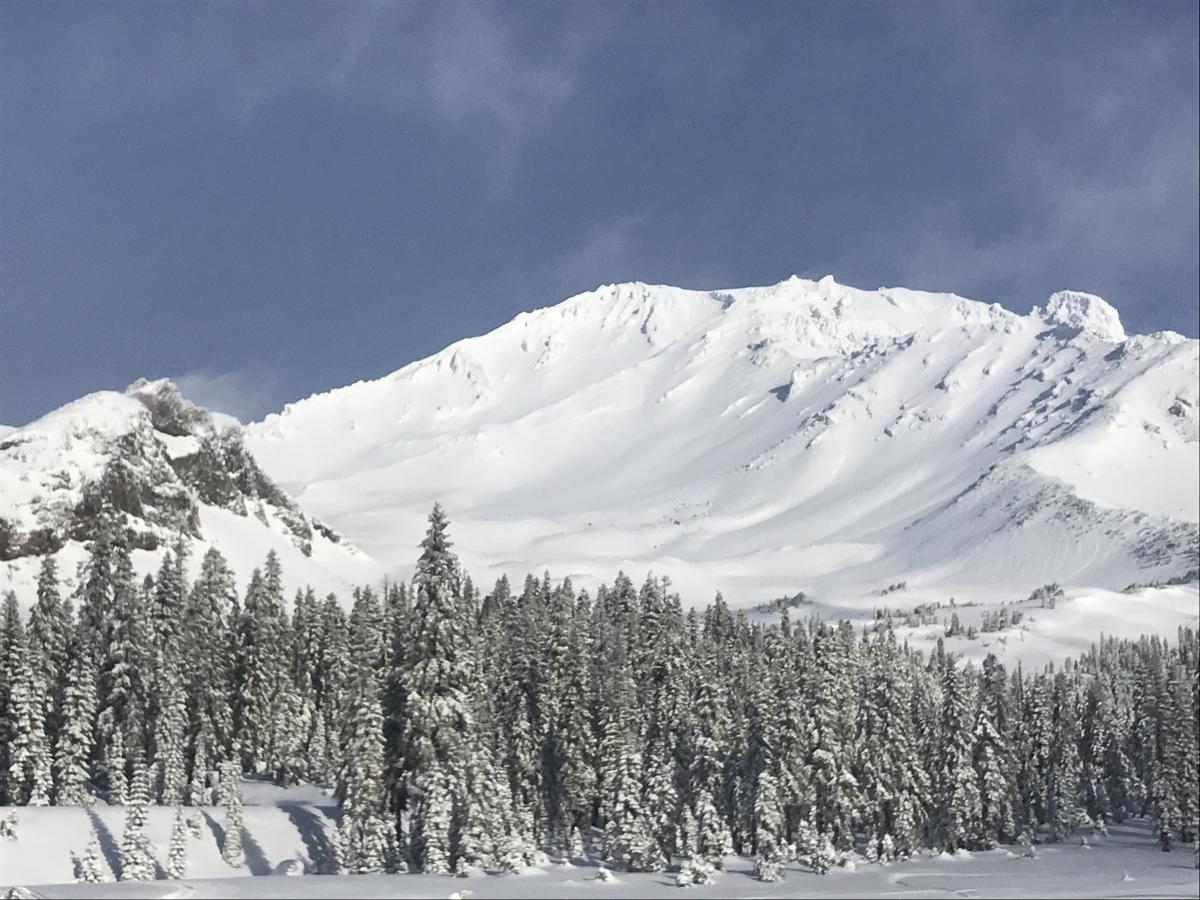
<point x="170" y="469"/>
<point x="805" y="436"/>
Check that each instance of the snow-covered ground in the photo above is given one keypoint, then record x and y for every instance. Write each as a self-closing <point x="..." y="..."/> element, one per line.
<point x="280" y="825"/>
<point x="805" y="436"/>
<point x="1124" y="864"/>
<point x="1077" y="621"/>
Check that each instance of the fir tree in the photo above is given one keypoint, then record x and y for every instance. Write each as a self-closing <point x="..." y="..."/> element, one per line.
<point x="137" y="862"/>
<point x="363" y="840"/>
<point x="208" y="673"/>
<point x="50" y="637"/>
<point x="92" y="869"/>
<point x="72" y="766"/>
<point x="177" y="861"/>
<point x="12" y="633"/>
<point x="438" y="679"/>
<point x="231" y="799"/>
<point x="29" y="771"/>
<point x="771" y="853"/>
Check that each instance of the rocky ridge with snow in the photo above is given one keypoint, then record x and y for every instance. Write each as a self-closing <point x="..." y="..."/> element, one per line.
<point x="164" y="468"/>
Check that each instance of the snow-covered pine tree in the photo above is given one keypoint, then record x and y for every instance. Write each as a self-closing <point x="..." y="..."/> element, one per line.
<point x="121" y="692"/>
<point x="894" y="781"/>
<point x="959" y="810"/>
<point x="137" y="862"/>
<point x="165" y="620"/>
<point x="51" y="633"/>
<point x="177" y="860"/>
<point x="629" y="832"/>
<point x="208" y="670"/>
<point x="835" y="715"/>
<point x="488" y="829"/>
<point x="92" y="869"/>
<point x="30" y="781"/>
<point x="170" y="740"/>
<point x="432" y="821"/>
<point x="364" y="838"/>
<point x="332" y="681"/>
<point x="1183" y="753"/>
<point x="770" y="844"/>
<point x="397" y="610"/>
<point x="1065" y="774"/>
<point x="114" y="764"/>
<point x="712" y="841"/>
<point x="438" y="683"/>
<point x="72" y="760"/>
<point x="231" y="799"/>
<point x="265" y="702"/>
<point x="12" y="631"/>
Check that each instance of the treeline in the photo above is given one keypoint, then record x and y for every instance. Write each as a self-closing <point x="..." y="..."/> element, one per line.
<point x="462" y="729"/>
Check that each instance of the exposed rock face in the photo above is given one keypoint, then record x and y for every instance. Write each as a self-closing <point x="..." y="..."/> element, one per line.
<point x="149" y="457"/>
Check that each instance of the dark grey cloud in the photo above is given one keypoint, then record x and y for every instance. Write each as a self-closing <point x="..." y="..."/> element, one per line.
<point x="315" y="193"/>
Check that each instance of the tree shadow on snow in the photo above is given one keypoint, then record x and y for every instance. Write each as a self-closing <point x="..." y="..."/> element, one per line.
<point x="108" y="843"/>
<point x="216" y="828"/>
<point x="252" y="852"/>
<point x="256" y="860"/>
<point x="312" y="831"/>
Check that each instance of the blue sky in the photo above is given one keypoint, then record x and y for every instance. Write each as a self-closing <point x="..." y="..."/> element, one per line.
<point x="265" y="200"/>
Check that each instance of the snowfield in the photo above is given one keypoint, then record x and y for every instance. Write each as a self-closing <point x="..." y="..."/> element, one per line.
<point x="805" y="436"/>
<point x="1124" y="864"/>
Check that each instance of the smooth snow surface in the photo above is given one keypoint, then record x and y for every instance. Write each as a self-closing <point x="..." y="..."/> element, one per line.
<point x="806" y="436"/>
<point x="1125" y="864"/>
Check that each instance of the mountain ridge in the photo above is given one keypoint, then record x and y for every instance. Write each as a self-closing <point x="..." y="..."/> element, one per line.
<point x="761" y="441"/>
<point x="165" y="470"/>
<point x="655" y="374"/>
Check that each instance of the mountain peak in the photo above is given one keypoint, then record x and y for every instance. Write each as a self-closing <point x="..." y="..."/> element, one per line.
<point x="1085" y="312"/>
<point x="800" y="435"/>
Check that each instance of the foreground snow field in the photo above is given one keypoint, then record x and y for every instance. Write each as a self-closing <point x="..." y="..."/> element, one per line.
<point x="1124" y="864"/>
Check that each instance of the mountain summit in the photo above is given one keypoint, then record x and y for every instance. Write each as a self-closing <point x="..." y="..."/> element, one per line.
<point x="805" y="436"/>
<point x="167" y="470"/>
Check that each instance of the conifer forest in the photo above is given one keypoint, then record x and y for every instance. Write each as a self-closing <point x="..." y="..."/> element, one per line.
<point x="463" y="727"/>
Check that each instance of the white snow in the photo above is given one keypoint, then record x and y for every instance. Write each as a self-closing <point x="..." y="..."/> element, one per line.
<point x="1087" y="312"/>
<point x="761" y="441"/>
<point x="276" y="836"/>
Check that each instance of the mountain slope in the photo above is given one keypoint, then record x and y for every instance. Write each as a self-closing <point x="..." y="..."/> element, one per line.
<point x="804" y="436"/>
<point x="168" y="469"/>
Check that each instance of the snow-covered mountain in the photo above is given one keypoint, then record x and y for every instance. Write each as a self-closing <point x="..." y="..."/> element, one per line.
<point x="170" y="469"/>
<point x="806" y="436"/>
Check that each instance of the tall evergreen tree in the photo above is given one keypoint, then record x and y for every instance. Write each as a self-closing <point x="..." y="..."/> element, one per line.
<point x="231" y="799"/>
<point x="137" y="861"/>
<point x="72" y="759"/>
<point x="29" y="781"/>
<point x="438" y="682"/>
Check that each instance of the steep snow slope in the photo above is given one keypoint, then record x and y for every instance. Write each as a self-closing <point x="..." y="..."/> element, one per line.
<point x="803" y="436"/>
<point x="169" y="469"/>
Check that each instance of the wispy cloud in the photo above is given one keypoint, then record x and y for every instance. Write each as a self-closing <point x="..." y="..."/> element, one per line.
<point x="1096" y="197"/>
<point x="245" y="394"/>
<point x="468" y="63"/>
